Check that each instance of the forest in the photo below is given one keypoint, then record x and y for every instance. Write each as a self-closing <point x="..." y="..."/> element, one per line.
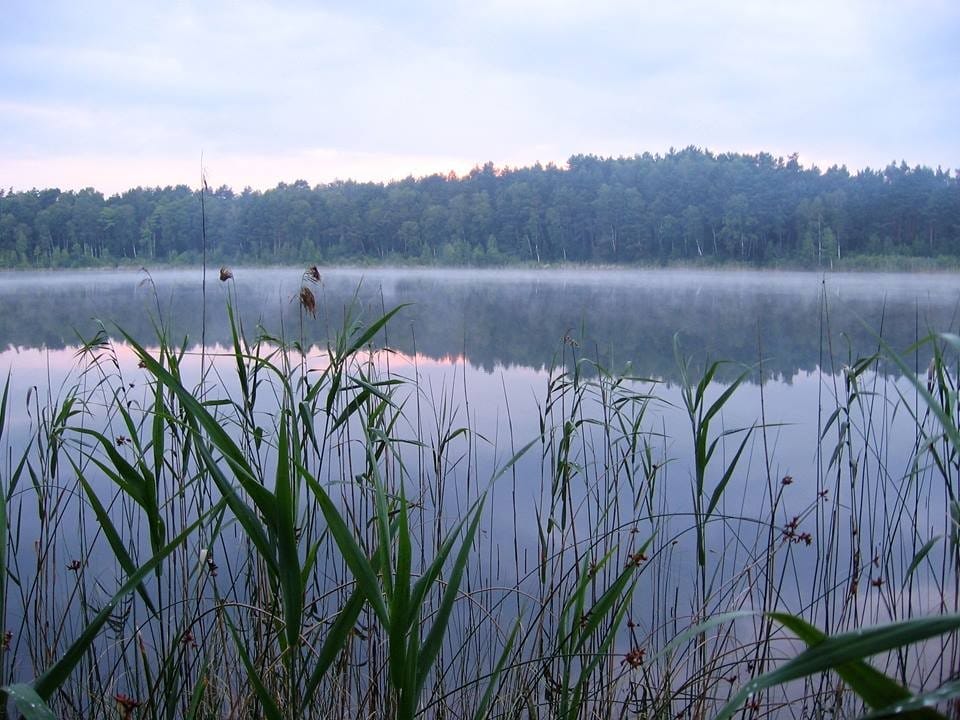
<point x="685" y="207"/>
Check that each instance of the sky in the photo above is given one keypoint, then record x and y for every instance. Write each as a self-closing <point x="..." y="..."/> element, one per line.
<point x="113" y="95"/>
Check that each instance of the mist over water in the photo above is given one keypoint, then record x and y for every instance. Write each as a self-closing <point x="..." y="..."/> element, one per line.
<point x="506" y="318"/>
<point x="482" y="344"/>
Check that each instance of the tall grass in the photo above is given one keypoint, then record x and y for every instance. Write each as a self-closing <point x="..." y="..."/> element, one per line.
<point x="284" y="532"/>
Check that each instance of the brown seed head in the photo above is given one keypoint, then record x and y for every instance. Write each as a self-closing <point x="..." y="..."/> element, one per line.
<point x="634" y="658"/>
<point x="225" y="273"/>
<point x="127" y="704"/>
<point x="308" y="301"/>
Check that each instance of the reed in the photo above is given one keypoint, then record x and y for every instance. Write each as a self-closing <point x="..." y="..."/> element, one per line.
<point x="290" y="532"/>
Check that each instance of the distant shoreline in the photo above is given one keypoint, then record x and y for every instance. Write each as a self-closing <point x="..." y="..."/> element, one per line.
<point x="854" y="264"/>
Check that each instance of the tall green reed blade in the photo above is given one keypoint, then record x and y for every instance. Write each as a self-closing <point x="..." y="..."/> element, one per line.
<point x="873" y="687"/>
<point x="919" y="557"/>
<point x="4" y="494"/>
<point x="288" y="559"/>
<point x="578" y="626"/>
<point x="48" y="682"/>
<point x="112" y="534"/>
<point x="368" y="334"/>
<point x="845" y="653"/>
<point x="362" y="569"/>
<point x="386" y="580"/>
<point x="270" y="708"/>
<point x="336" y="640"/>
<point x="158" y="436"/>
<point x="431" y="645"/>
<point x="196" y="697"/>
<point x="199" y="418"/>
<point x="3" y="405"/>
<point x="238" y="353"/>
<point x="140" y="487"/>
<point x="918" y="703"/>
<point x="400" y="631"/>
<point x="28" y="702"/>
<point x="399" y="605"/>
<point x="487" y="698"/>
<point x="728" y="472"/>
<point x="272" y="528"/>
<point x="248" y="518"/>
<point x="421" y="658"/>
<point x="700" y="416"/>
<point x="947" y="421"/>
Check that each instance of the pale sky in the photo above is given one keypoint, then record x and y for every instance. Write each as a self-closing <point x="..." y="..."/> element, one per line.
<point x="119" y="94"/>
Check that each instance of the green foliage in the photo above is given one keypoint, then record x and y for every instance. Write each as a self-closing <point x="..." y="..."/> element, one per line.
<point x="686" y="206"/>
<point x="701" y="413"/>
<point x="845" y="654"/>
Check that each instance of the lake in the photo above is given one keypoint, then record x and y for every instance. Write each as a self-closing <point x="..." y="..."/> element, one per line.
<point x="511" y="318"/>
<point x="589" y="365"/>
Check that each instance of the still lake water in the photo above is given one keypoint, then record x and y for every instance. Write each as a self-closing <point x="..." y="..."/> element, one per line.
<point x="501" y="320"/>
<point x="484" y="345"/>
<point x="484" y="341"/>
<point x="490" y="337"/>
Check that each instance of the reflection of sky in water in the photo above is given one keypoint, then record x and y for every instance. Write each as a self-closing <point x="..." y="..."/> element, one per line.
<point x="502" y="408"/>
<point x="509" y="317"/>
<point x="481" y="342"/>
<point x="508" y="326"/>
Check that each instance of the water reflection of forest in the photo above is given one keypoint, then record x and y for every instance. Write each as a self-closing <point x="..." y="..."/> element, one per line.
<point x="513" y="318"/>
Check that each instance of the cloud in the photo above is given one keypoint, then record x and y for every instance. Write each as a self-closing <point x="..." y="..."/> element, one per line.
<point x="117" y="172"/>
<point x="436" y="82"/>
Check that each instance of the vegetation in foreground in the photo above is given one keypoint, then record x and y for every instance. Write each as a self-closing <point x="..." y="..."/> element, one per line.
<point x="686" y="207"/>
<point x="283" y="532"/>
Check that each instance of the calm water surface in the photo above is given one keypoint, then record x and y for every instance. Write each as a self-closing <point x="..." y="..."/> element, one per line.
<point x="485" y="341"/>
<point x="485" y="344"/>
<point x="505" y="318"/>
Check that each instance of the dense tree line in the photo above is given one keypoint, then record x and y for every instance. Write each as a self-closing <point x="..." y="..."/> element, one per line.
<point x="688" y="205"/>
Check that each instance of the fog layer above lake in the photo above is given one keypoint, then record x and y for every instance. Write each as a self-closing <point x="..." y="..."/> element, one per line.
<point x="497" y="318"/>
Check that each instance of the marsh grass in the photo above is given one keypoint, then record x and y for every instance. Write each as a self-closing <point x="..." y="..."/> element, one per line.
<point x="284" y="532"/>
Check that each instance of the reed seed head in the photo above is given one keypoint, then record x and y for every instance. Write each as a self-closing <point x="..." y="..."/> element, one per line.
<point x="635" y="657"/>
<point x="127" y="704"/>
<point x="308" y="301"/>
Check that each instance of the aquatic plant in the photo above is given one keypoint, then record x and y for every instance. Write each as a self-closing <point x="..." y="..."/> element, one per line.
<point x="282" y="531"/>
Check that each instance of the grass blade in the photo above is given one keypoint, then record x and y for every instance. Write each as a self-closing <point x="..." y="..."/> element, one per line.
<point x="49" y="681"/>
<point x="270" y="708"/>
<point x="29" y="703"/>
<point x="834" y="652"/>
